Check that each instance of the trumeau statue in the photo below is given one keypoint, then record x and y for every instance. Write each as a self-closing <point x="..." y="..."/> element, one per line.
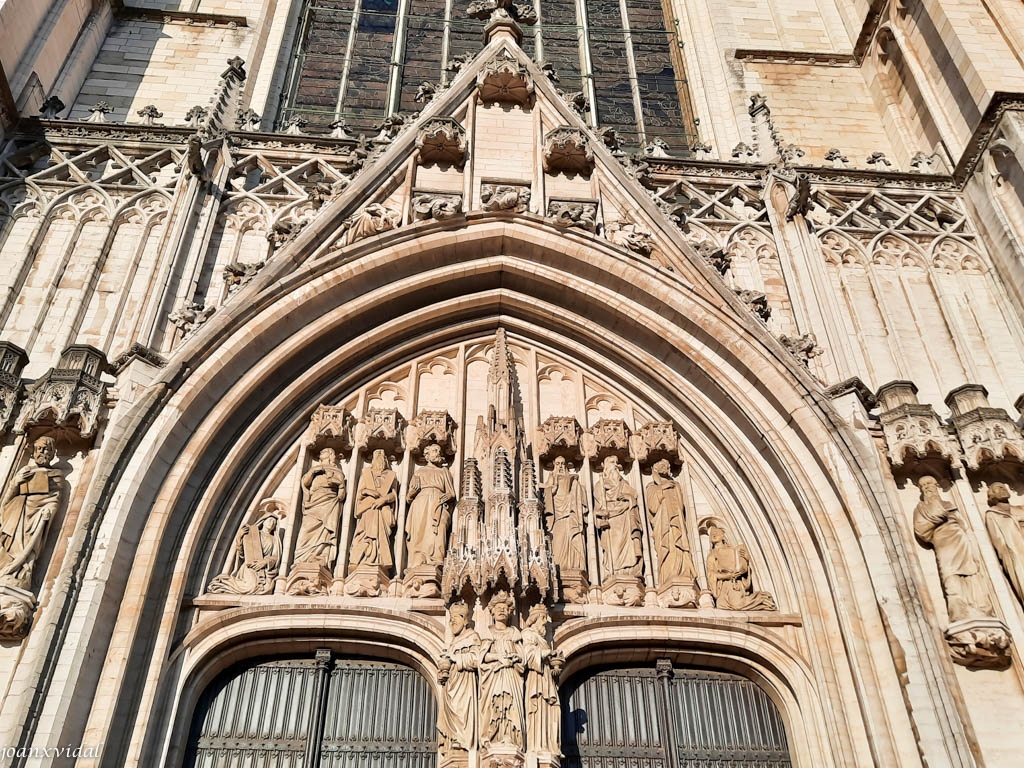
<point x="502" y="711"/>
<point x="459" y="701"/>
<point x="431" y="492"/>
<point x="257" y="556"/>
<point x="1005" y="523"/>
<point x="664" y="498"/>
<point x="375" y="514"/>
<point x="618" y="519"/>
<point x="729" y="576"/>
<point x="543" y="666"/>
<point x="937" y="522"/>
<point x="565" y="506"/>
<point x="323" y="491"/>
<point x="30" y="503"/>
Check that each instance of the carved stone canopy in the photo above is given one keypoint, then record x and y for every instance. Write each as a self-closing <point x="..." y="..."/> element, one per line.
<point x="559" y="436"/>
<point x="655" y="441"/>
<point x="381" y="429"/>
<point x="442" y="141"/>
<point x="912" y="430"/>
<point x="572" y="213"/>
<point x="12" y="362"/>
<point x="987" y="435"/>
<point x="432" y="427"/>
<point x="331" y="427"/>
<point x="504" y="79"/>
<point x="69" y="396"/>
<point x="568" y="150"/>
<point x="608" y="437"/>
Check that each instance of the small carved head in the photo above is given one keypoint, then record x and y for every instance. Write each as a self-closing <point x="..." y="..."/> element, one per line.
<point x="327" y="456"/>
<point x="432" y="453"/>
<point x="662" y="468"/>
<point x="716" y="536"/>
<point x="458" y="617"/>
<point x="560" y="467"/>
<point x="43" y="451"/>
<point x="998" y="493"/>
<point x="379" y="462"/>
<point x="500" y="606"/>
<point x="270" y="523"/>
<point x="539" y="618"/>
<point x="611" y="466"/>
<point x="928" y="486"/>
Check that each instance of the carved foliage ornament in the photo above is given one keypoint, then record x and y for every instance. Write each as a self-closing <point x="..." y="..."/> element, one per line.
<point x="631" y="236"/>
<point x="442" y="141"/>
<point x="568" y="150"/>
<point x="572" y="213"/>
<point x="504" y="79"/>
<point x="68" y="396"/>
<point x="374" y="219"/>
<point x="436" y="205"/>
<point x="505" y="197"/>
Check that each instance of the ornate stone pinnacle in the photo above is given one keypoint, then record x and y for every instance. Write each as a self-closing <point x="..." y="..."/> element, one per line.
<point x="502" y="17"/>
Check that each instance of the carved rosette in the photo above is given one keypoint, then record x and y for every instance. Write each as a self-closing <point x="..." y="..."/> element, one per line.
<point x="631" y="236"/>
<point x="654" y="441"/>
<point x="12" y="362"/>
<point x="912" y="430"/>
<point x="572" y="213"/>
<point x="608" y="437"/>
<point x="442" y="141"/>
<point x="505" y="80"/>
<point x="381" y="429"/>
<point x="330" y="426"/>
<point x="432" y="427"/>
<point x="495" y="196"/>
<point x="987" y="434"/>
<point x="436" y="205"/>
<point x="559" y="436"/>
<point x="567" y="150"/>
<point x="69" y="396"/>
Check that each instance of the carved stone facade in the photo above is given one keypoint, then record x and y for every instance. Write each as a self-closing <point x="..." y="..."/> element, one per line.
<point x="513" y="359"/>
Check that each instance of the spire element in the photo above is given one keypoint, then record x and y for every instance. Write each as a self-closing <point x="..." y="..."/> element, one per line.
<point x="502" y="17"/>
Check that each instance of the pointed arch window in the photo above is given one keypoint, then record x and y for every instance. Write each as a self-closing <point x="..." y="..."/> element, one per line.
<point x="358" y="61"/>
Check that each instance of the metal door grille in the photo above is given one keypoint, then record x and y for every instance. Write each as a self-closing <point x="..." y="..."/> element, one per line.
<point x="300" y="714"/>
<point x="647" y="718"/>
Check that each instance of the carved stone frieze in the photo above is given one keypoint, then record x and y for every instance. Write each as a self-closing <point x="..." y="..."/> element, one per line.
<point x="237" y="273"/>
<point x="505" y="80"/>
<point x="568" y="150"/>
<point x="432" y="427"/>
<point x="381" y="429"/>
<point x="436" y="205"/>
<point x="69" y="396"/>
<point x="442" y="141"/>
<point x="912" y="430"/>
<point x="374" y="219"/>
<point x="495" y="196"/>
<point x="572" y="213"/>
<point x="608" y="437"/>
<point x="656" y="441"/>
<point x="12" y="361"/>
<point x="331" y="426"/>
<point x="631" y="235"/>
<point x="558" y="436"/>
<point x="987" y="435"/>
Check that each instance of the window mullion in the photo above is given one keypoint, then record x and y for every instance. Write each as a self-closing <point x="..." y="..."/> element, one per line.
<point x="397" y="57"/>
<point x="349" y="48"/>
<point x="634" y="81"/>
<point x="588" y="64"/>
<point x="446" y="41"/>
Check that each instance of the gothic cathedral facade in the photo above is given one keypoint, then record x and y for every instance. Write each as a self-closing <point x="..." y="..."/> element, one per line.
<point x="497" y="384"/>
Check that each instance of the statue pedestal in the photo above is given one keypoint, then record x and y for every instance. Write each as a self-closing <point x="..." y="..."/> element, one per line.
<point x="309" y="579"/>
<point x="982" y="643"/>
<point x="548" y="760"/>
<point x="678" y="592"/>
<point x="501" y="756"/>
<point x="623" y="589"/>
<point x="367" y="581"/>
<point x="16" y="608"/>
<point x="575" y="585"/>
<point x="422" y="581"/>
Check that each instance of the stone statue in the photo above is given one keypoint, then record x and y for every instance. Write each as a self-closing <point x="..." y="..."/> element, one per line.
<point x="565" y="507"/>
<point x="375" y="514"/>
<point x="502" y="714"/>
<point x="431" y="492"/>
<point x="729" y="576"/>
<point x="1005" y="524"/>
<point x="257" y="557"/>
<point x="323" y="491"/>
<point x="31" y="502"/>
<point x="458" y="675"/>
<point x="618" y="519"/>
<point x="543" y="666"/>
<point x="665" y="506"/>
<point x="937" y="523"/>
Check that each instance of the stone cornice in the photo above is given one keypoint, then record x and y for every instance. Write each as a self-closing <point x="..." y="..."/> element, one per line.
<point x="814" y="58"/>
<point x="191" y="18"/>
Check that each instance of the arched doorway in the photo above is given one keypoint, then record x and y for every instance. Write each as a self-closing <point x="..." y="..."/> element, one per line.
<point x="658" y="717"/>
<point x="315" y="713"/>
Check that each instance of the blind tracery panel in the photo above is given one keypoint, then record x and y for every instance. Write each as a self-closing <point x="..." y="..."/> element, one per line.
<point x="357" y="61"/>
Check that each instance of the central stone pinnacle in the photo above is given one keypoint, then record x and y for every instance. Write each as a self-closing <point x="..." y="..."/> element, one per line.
<point x="502" y="17"/>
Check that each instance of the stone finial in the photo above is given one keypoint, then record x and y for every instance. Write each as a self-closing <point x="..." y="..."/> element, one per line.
<point x="701" y="149"/>
<point x="339" y="130"/>
<point x="51" y="108"/>
<point x="743" y="152"/>
<point x="656" y="149"/>
<point x="837" y="158"/>
<point x="99" y="112"/>
<point x="248" y="120"/>
<point x="293" y="126"/>
<point x="878" y="161"/>
<point x="195" y="116"/>
<point x="149" y="114"/>
<point x="503" y="17"/>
